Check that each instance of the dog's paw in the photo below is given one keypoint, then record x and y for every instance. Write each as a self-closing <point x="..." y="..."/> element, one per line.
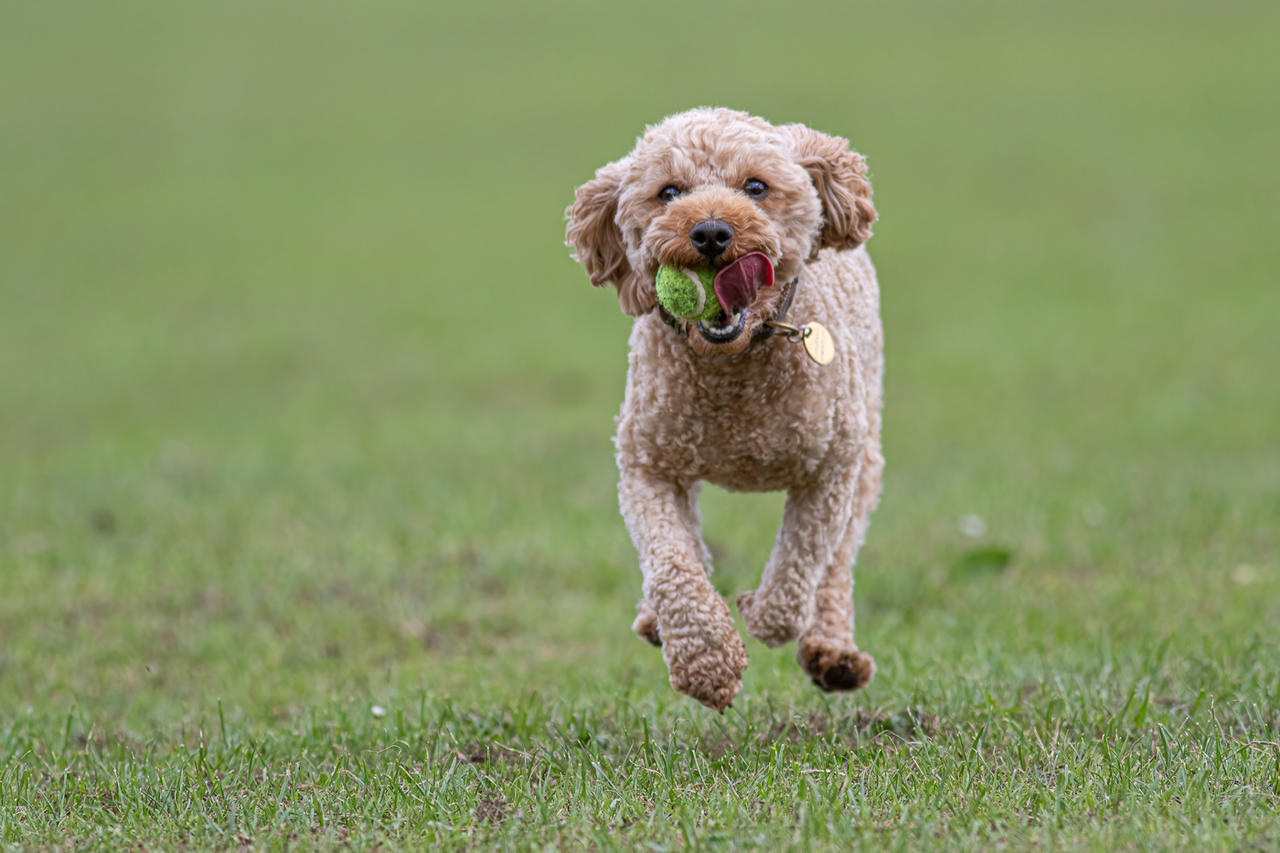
<point x="707" y="663"/>
<point x="770" y="623"/>
<point x="646" y="624"/>
<point x="836" y="668"/>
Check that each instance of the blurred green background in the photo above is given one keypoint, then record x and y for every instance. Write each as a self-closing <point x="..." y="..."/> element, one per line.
<point x="302" y="399"/>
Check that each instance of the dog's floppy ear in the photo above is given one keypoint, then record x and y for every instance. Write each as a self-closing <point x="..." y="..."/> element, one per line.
<point x="596" y="240"/>
<point x="840" y="178"/>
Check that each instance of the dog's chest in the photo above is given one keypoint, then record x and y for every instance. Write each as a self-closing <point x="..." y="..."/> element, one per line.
<point x="765" y="429"/>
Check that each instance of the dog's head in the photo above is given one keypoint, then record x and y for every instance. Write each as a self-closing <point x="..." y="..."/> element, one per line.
<point x="707" y="187"/>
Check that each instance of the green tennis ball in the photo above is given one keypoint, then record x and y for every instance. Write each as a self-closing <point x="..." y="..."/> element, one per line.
<point x="685" y="297"/>
<point x="679" y="293"/>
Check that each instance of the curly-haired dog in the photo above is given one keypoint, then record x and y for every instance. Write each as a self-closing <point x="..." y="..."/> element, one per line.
<point x="736" y="404"/>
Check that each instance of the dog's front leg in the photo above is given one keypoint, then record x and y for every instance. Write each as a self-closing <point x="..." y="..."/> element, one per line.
<point x="704" y="654"/>
<point x="813" y="525"/>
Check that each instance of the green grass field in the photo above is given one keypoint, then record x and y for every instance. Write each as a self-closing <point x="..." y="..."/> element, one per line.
<point x="308" y="527"/>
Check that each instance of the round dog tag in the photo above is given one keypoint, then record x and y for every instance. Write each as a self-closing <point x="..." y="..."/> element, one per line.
<point x="818" y="344"/>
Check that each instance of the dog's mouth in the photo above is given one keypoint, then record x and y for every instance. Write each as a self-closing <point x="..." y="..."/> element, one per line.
<point x="727" y="333"/>
<point x="736" y="286"/>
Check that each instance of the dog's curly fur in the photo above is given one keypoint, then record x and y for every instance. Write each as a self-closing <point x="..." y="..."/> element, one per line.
<point x="746" y="415"/>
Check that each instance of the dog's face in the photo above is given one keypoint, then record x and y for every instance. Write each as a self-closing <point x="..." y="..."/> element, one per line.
<point x="707" y="187"/>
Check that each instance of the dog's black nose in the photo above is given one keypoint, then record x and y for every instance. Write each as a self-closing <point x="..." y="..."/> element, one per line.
<point x="711" y="237"/>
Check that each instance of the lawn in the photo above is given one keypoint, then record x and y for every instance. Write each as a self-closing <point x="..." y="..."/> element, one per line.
<point x="308" y="527"/>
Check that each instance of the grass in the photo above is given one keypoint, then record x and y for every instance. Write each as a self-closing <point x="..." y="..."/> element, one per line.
<point x="308" y="533"/>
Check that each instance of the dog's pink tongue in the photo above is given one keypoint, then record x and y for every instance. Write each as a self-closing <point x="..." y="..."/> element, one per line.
<point x="736" y="284"/>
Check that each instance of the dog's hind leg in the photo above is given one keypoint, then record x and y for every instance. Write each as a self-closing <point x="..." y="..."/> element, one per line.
<point x="813" y="524"/>
<point x="704" y="654"/>
<point x="646" y="622"/>
<point x="826" y="649"/>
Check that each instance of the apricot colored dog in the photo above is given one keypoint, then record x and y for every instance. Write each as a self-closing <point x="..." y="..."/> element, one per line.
<point x="740" y="404"/>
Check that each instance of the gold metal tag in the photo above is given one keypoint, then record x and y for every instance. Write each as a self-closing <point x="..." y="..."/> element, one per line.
<point x="817" y="342"/>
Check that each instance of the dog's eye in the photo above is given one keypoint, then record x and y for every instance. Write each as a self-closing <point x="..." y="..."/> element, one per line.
<point x="755" y="189"/>
<point x="668" y="193"/>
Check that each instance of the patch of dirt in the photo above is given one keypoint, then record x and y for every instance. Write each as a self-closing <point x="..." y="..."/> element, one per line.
<point x="492" y="810"/>
<point x="103" y="521"/>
